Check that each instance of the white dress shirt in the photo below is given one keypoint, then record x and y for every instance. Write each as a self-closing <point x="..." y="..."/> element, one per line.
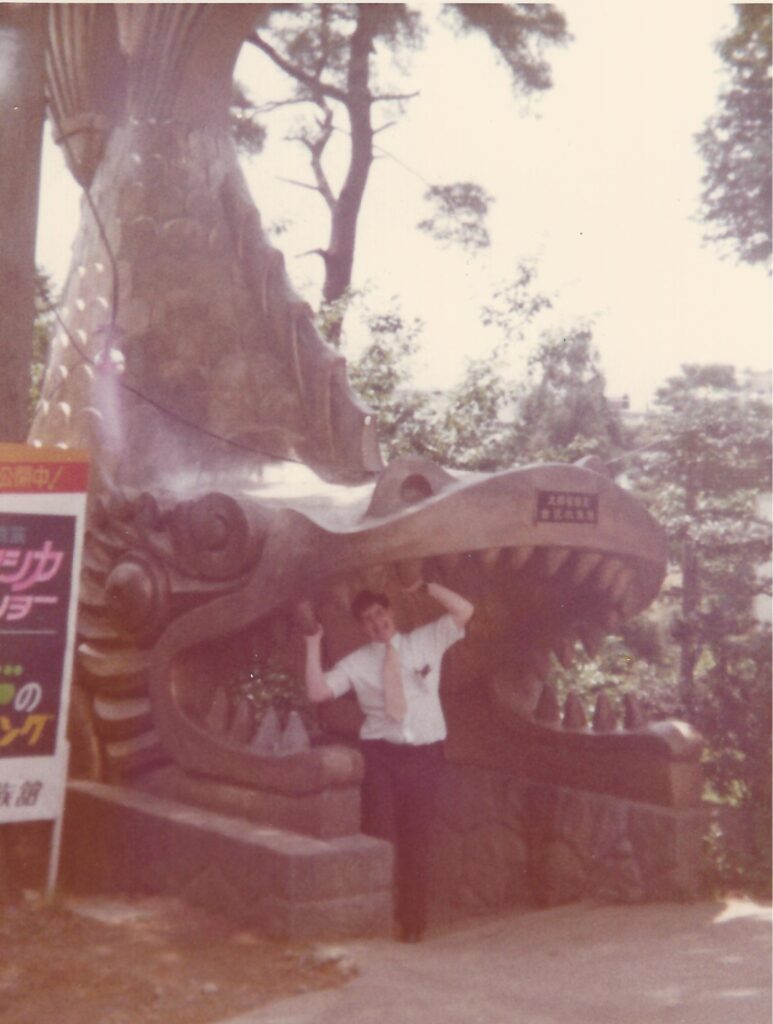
<point x="420" y="654"/>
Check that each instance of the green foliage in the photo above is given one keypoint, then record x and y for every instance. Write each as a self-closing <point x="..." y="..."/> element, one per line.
<point x="267" y="678"/>
<point x="381" y="376"/>
<point x="314" y="40"/>
<point x="347" y="67"/>
<point x="42" y="333"/>
<point x="559" y="413"/>
<point x="248" y="133"/>
<point x="709" y="462"/>
<point x="518" y="34"/>
<point x="516" y="304"/>
<point x="703" y="481"/>
<point x="459" y="215"/>
<point x="639" y="660"/>
<point x="734" y="712"/>
<point x="478" y="422"/>
<point x="489" y="421"/>
<point x="563" y="413"/>
<point x="736" y="141"/>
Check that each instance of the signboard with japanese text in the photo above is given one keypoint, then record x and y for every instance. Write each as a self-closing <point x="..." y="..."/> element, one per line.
<point x="567" y="507"/>
<point x="42" y="512"/>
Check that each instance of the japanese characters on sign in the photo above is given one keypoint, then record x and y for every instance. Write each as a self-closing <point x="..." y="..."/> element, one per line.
<point x="36" y="476"/>
<point x="42" y="507"/>
<point x="567" y="507"/>
<point x="35" y="575"/>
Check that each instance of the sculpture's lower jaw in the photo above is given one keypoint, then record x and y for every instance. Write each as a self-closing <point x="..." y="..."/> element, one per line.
<point x="534" y="606"/>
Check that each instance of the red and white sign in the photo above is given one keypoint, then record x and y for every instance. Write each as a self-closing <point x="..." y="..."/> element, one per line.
<point x="42" y="517"/>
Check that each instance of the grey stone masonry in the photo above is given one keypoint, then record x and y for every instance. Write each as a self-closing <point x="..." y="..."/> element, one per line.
<point x="289" y="885"/>
<point x="500" y="840"/>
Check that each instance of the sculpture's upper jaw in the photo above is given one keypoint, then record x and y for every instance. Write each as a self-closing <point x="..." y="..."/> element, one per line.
<point x="549" y="554"/>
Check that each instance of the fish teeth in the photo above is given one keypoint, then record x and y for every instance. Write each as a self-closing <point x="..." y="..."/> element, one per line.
<point x="585" y="563"/>
<point x="555" y="558"/>
<point x="519" y="557"/>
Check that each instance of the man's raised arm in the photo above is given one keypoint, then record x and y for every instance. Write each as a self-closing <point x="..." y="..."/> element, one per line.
<point x="458" y="607"/>
<point x="317" y="689"/>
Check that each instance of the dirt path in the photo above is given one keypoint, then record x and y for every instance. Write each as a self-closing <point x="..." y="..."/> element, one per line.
<point x="666" y="963"/>
<point x="145" y="961"/>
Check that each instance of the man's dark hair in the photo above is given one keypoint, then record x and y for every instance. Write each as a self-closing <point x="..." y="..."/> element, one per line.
<point x="363" y="600"/>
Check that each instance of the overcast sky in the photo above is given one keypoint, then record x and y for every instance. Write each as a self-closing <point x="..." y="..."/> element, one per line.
<point x="598" y="180"/>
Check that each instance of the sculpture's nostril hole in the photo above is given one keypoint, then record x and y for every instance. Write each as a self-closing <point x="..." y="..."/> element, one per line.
<point x="415" y="488"/>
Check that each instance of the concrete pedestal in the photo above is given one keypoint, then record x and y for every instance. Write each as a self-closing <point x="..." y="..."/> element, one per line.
<point x="289" y="885"/>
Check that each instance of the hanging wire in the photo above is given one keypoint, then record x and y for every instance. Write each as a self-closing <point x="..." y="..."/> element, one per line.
<point x="171" y="413"/>
<point x="109" y="331"/>
<point x="645" y="447"/>
<point x="669" y="441"/>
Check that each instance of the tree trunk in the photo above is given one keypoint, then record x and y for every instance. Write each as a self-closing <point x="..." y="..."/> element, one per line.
<point x="173" y="280"/>
<point x="22" y="57"/>
<point x="690" y="599"/>
<point x="339" y="257"/>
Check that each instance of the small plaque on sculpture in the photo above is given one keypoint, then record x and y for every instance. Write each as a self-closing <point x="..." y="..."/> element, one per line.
<point x="567" y="507"/>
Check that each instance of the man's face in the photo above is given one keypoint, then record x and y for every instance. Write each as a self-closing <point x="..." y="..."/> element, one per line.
<point x="379" y="623"/>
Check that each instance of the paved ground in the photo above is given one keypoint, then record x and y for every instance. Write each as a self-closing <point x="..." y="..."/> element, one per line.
<point x="706" y="963"/>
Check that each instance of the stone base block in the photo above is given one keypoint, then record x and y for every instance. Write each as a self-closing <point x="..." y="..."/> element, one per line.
<point x="501" y="840"/>
<point x="333" y="811"/>
<point x="290" y="886"/>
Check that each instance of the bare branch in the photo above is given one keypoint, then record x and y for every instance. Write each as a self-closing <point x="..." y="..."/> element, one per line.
<point x="379" y="153"/>
<point x="304" y="140"/>
<point x="383" y="128"/>
<point x="315" y="85"/>
<point x="317" y="148"/>
<point x="300" y="184"/>
<point x="313" y="252"/>
<point x="395" y="97"/>
<point x="267" y="108"/>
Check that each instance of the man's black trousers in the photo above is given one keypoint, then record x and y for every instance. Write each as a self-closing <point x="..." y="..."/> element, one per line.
<point x="398" y="802"/>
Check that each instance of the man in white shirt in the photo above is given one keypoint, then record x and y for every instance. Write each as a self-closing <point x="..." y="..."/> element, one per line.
<point x="396" y="679"/>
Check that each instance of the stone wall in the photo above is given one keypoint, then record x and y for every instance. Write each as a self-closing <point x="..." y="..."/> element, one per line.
<point x="290" y="886"/>
<point x="500" y="840"/>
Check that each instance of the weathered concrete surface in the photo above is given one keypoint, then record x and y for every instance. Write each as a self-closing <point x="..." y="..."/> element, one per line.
<point x="290" y="886"/>
<point x="500" y="840"/>
<point x="703" y="963"/>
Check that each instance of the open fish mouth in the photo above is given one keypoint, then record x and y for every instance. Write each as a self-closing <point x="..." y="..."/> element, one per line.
<point x="554" y="557"/>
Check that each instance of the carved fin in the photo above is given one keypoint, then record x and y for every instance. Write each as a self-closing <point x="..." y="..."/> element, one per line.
<point x="125" y="661"/>
<point x="122" y="717"/>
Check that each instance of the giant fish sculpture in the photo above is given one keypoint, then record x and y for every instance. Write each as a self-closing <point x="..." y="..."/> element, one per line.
<point x="237" y="476"/>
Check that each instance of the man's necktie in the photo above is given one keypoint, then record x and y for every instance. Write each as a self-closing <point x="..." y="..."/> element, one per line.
<point x="394" y="694"/>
